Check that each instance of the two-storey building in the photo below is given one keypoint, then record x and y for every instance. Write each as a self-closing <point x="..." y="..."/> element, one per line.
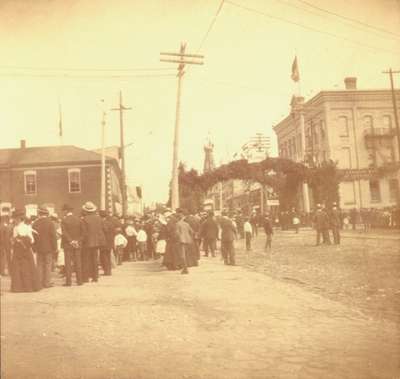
<point x="56" y="175"/>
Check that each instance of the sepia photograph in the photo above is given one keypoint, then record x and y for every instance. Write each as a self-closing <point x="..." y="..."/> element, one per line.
<point x="200" y="189"/>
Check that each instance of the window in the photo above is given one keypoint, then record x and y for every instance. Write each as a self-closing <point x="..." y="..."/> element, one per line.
<point x="294" y="146"/>
<point x="345" y="161"/>
<point x="343" y="126"/>
<point x="30" y="182"/>
<point x="387" y="122"/>
<point x="367" y="123"/>
<point x="347" y="193"/>
<point x="375" y="191"/>
<point x="74" y="180"/>
<point x="322" y="129"/>
<point x="393" y="189"/>
<point x="300" y="147"/>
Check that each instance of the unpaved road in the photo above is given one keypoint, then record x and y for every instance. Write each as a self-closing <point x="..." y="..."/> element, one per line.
<point x="217" y="322"/>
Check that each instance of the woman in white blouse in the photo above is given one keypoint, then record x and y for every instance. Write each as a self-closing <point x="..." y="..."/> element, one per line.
<point x="24" y="277"/>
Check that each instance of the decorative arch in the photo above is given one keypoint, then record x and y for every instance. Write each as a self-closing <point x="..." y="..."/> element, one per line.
<point x="286" y="179"/>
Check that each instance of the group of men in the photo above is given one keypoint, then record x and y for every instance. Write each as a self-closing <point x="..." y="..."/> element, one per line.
<point x="88" y="237"/>
<point x="325" y="221"/>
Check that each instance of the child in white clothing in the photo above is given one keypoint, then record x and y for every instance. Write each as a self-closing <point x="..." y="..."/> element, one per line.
<point x="141" y="239"/>
<point x="120" y="243"/>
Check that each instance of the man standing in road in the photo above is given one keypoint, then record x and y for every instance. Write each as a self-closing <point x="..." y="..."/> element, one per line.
<point x="228" y="235"/>
<point x="248" y="233"/>
<point x="209" y="233"/>
<point x="321" y="225"/>
<point x="105" y="251"/>
<point x="72" y="235"/>
<point x="93" y="240"/>
<point x="5" y="245"/>
<point x="45" y="245"/>
<point x="335" y="221"/>
<point x="185" y="236"/>
<point x="269" y="231"/>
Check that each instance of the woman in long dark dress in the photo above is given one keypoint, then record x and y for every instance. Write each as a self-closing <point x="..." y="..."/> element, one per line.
<point x="24" y="277"/>
<point x="171" y="259"/>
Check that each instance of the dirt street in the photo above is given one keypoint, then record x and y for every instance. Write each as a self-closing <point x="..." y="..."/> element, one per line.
<point x="217" y="322"/>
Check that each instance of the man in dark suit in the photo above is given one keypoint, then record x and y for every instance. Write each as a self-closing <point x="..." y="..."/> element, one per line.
<point x="72" y="236"/>
<point x="194" y="248"/>
<point x="185" y="237"/>
<point x="335" y="220"/>
<point x="105" y="251"/>
<point x="209" y="233"/>
<point x="228" y="235"/>
<point x="5" y="246"/>
<point x="321" y="224"/>
<point x="93" y="240"/>
<point x="45" y="245"/>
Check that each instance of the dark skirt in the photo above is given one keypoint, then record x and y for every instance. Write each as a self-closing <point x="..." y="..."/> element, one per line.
<point x="193" y="255"/>
<point x="172" y="259"/>
<point x="24" y="276"/>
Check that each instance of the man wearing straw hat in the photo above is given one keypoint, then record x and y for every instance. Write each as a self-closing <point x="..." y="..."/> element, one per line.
<point x="93" y="240"/>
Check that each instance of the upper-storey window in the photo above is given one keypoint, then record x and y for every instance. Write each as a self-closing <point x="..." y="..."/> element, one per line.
<point x="74" y="180"/>
<point x="343" y="126"/>
<point x="367" y="123"/>
<point x="30" y="182"/>
<point x="387" y="122"/>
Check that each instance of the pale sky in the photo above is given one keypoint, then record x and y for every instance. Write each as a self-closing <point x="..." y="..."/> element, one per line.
<point x="243" y="88"/>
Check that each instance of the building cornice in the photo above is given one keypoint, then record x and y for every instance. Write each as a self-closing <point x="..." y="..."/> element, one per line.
<point x="339" y="96"/>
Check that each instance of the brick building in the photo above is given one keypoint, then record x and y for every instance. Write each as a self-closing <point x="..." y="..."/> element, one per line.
<point x="354" y="128"/>
<point x="55" y="175"/>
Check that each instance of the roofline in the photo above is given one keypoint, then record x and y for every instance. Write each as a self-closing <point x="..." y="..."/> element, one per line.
<point x="320" y="95"/>
<point x="65" y="163"/>
<point x="9" y="165"/>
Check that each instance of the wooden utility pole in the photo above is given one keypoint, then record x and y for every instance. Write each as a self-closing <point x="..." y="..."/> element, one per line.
<point x="396" y="116"/>
<point x="103" y="164"/>
<point x="121" y="108"/>
<point x="182" y="61"/>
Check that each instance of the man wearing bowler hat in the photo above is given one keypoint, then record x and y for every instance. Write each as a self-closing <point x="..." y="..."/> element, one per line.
<point x="72" y="236"/>
<point x="45" y="245"/>
<point x="93" y="240"/>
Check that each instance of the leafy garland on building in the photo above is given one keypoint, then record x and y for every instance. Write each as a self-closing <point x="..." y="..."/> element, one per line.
<point x="283" y="175"/>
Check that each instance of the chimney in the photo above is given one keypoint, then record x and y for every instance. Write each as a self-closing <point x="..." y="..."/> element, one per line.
<point x="22" y="144"/>
<point x="350" y="83"/>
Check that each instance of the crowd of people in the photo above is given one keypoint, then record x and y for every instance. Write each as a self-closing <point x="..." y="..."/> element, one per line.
<point x="354" y="218"/>
<point x="84" y="240"/>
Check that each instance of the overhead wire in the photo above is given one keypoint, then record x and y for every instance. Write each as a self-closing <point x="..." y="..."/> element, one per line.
<point x="69" y="76"/>
<point x="274" y="17"/>
<point x="345" y="20"/>
<point x="365" y="24"/>
<point x="65" y="69"/>
<point x="211" y="25"/>
<point x="208" y="31"/>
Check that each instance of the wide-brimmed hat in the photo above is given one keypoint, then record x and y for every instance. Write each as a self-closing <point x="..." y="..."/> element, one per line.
<point x="67" y="207"/>
<point x="89" y="207"/>
<point x="43" y="211"/>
